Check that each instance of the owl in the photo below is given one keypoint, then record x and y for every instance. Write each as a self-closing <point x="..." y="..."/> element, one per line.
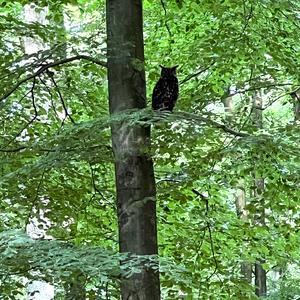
<point x="165" y="92"/>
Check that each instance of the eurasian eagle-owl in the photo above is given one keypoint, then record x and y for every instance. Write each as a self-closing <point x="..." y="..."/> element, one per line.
<point x="165" y="92"/>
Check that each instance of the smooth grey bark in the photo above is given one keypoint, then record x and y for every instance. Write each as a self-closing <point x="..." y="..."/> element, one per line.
<point x="259" y="218"/>
<point x="134" y="172"/>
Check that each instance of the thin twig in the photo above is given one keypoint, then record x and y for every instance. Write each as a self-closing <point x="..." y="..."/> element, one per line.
<point x="189" y="77"/>
<point x="51" y="96"/>
<point x="13" y="150"/>
<point x="212" y="252"/>
<point x="254" y="88"/>
<point x="94" y="182"/>
<point x="32" y="119"/>
<point x="36" y="197"/>
<point x="61" y="98"/>
<point x="205" y="199"/>
<point x="166" y="21"/>
<point x="247" y="17"/>
<point x="75" y="149"/>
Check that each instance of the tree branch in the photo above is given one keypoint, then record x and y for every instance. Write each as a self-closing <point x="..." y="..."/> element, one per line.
<point x="166" y="21"/>
<point x="37" y="149"/>
<point x="51" y="65"/>
<point x="35" y="116"/>
<point x="67" y="115"/>
<point x="208" y="121"/>
<point x="189" y="77"/>
<point x="254" y="88"/>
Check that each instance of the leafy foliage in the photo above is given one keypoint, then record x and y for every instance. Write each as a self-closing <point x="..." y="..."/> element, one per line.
<point x="57" y="164"/>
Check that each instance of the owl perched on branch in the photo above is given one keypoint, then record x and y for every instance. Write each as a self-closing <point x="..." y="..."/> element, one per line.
<point x="166" y="90"/>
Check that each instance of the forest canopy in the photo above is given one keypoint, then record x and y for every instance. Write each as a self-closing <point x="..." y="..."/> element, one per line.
<point x="221" y="220"/>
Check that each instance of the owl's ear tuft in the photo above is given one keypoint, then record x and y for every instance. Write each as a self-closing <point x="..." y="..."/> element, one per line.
<point x="162" y="66"/>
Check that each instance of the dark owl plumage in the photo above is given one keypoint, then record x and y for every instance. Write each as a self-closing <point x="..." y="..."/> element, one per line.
<point x="165" y="92"/>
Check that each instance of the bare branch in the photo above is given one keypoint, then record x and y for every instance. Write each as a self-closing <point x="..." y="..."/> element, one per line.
<point x="166" y="22"/>
<point x="247" y="17"/>
<point x="12" y="150"/>
<point x="264" y="86"/>
<point x="51" y="96"/>
<point x="32" y="119"/>
<point x="94" y="182"/>
<point x="189" y="77"/>
<point x="33" y="103"/>
<point x="51" y="65"/>
<point x="37" y="149"/>
<point x="208" y="226"/>
<point x="34" y="201"/>
<point x="61" y="98"/>
<point x="208" y="121"/>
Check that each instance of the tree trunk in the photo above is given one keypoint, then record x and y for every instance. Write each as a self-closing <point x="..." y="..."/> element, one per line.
<point x="240" y="199"/>
<point x="260" y="273"/>
<point x="296" y="97"/>
<point x="75" y="288"/>
<point x="260" y="280"/>
<point x="134" y="172"/>
<point x="240" y="204"/>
